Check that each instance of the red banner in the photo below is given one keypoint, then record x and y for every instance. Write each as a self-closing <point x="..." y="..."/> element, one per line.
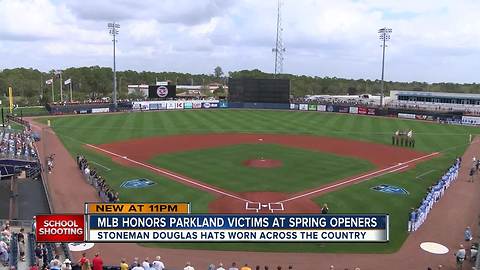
<point x="60" y="228"/>
<point x="362" y="110"/>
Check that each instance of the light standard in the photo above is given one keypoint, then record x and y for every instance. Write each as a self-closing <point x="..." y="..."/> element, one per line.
<point x="113" y="30"/>
<point x="384" y="35"/>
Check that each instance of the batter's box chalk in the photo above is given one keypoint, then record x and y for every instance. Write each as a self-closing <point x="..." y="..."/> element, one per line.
<point x="253" y="206"/>
<point x="276" y="206"/>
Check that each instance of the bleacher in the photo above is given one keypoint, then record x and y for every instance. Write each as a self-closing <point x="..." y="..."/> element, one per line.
<point x="18" y="153"/>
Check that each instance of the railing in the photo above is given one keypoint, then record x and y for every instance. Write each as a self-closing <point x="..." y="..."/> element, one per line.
<point x="26" y="224"/>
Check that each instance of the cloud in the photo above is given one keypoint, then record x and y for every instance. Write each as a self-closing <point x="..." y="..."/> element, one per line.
<point x="432" y="40"/>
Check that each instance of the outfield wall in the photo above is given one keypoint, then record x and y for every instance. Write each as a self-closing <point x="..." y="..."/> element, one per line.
<point x="443" y="117"/>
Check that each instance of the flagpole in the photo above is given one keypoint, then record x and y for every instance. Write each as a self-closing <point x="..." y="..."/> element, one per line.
<point x="61" y="87"/>
<point x="53" y="93"/>
<point x="71" y="100"/>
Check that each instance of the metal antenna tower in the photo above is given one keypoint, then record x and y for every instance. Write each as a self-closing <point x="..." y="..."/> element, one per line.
<point x="279" y="48"/>
<point x="384" y="36"/>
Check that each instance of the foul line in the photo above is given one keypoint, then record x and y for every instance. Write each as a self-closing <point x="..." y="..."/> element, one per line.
<point x="106" y="168"/>
<point x="378" y="173"/>
<point x="425" y="173"/>
<point x="169" y="173"/>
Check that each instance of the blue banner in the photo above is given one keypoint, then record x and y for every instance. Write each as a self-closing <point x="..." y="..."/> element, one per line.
<point x="197" y="221"/>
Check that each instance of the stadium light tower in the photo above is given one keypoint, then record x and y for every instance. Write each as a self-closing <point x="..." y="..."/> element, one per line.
<point x="384" y="35"/>
<point x="279" y="47"/>
<point x="113" y="30"/>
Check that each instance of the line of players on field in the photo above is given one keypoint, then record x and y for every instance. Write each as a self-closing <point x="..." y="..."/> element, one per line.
<point x="435" y="192"/>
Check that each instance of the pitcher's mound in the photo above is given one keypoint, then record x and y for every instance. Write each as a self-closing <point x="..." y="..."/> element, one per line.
<point x="263" y="163"/>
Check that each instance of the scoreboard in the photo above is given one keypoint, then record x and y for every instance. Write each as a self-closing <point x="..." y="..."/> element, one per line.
<point x="173" y="222"/>
<point x="259" y="90"/>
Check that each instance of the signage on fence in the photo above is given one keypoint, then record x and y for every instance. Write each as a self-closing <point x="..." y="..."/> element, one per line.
<point x="406" y="115"/>
<point x="353" y="110"/>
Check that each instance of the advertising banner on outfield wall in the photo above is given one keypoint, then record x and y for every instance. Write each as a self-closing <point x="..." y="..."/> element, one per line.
<point x="100" y="110"/>
<point x="371" y="111"/>
<point x="179" y="105"/>
<point x="196" y="105"/>
<point x="170" y="105"/>
<point x="188" y="105"/>
<point x="362" y="110"/>
<point x="223" y="104"/>
<point x="293" y="106"/>
<point x="312" y="107"/>
<point x="406" y="115"/>
<point x="342" y="109"/>
<point x="162" y="105"/>
<point x="303" y="107"/>
<point x="353" y="110"/>
<point x="321" y="108"/>
<point x="153" y="106"/>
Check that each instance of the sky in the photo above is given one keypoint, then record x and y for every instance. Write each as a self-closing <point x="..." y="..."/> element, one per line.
<point x="431" y="40"/>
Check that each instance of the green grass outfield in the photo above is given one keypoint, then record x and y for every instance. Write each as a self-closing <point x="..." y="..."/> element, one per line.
<point x="223" y="167"/>
<point x="430" y="137"/>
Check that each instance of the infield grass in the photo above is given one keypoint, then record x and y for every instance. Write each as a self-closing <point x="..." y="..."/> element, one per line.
<point x="223" y="167"/>
<point x="451" y="141"/>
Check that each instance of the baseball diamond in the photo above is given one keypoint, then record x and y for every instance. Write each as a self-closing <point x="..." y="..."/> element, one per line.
<point x="187" y="155"/>
<point x="343" y="145"/>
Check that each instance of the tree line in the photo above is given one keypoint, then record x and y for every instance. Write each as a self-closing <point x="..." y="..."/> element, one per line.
<point x="30" y="88"/>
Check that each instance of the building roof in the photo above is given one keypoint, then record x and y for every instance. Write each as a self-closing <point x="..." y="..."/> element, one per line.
<point x="434" y="94"/>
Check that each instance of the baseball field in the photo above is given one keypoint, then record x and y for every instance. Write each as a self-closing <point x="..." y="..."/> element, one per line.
<point x="230" y="161"/>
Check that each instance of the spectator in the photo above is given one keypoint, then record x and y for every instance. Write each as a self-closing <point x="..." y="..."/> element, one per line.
<point x="67" y="264"/>
<point x="137" y="267"/>
<point x="55" y="261"/>
<point x="3" y="253"/>
<point x="324" y="209"/>
<point x="246" y="267"/>
<point x="55" y="265"/>
<point x="234" y="267"/>
<point x="468" y="234"/>
<point x="134" y="263"/>
<point x="145" y="264"/>
<point x="188" y="266"/>
<point x="34" y="267"/>
<point x="460" y="256"/>
<point x="158" y="264"/>
<point x="211" y="267"/>
<point x="97" y="262"/>
<point x="220" y="266"/>
<point x="84" y="262"/>
<point x="123" y="265"/>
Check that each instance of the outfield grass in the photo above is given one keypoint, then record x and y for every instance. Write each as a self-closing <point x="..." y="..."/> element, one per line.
<point x="223" y="167"/>
<point x="430" y="137"/>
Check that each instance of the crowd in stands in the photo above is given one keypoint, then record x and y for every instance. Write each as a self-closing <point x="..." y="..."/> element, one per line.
<point x="327" y="100"/>
<point x="11" y="245"/>
<point x="17" y="145"/>
<point x="105" y="192"/>
<point x="434" y="193"/>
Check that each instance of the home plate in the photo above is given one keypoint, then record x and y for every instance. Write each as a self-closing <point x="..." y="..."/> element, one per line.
<point x="434" y="248"/>
<point x="264" y="205"/>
